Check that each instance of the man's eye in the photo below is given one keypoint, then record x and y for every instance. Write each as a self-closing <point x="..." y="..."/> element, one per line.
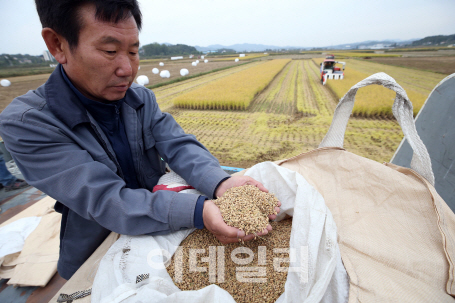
<point x="110" y="52"/>
<point x="133" y="53"/>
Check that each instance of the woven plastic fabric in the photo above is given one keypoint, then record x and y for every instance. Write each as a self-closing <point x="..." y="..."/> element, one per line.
<point x="396" y="234"/>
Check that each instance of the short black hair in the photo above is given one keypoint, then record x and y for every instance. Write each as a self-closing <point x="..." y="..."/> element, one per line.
<point x="63" y="15"/>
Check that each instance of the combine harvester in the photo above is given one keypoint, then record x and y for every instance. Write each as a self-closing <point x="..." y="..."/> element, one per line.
<point x="330" y="71"/>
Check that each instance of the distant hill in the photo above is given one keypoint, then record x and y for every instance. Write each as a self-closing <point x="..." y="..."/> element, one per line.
<point x="7" y="60"/>
<point x="166" y="49"/>
<point x="372" y="44"/>
<point x="435" y="40"/>
<point x="245" y="47"/>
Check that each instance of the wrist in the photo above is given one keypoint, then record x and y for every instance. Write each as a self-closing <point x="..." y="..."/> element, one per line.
<point x="198" y="212"/>
<point x="217" y="191"/>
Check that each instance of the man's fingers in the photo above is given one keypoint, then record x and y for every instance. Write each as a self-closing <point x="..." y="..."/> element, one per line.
<point x="260" y="186"/>
<point x="225" y="240"/>
<point x="230" y="232"/>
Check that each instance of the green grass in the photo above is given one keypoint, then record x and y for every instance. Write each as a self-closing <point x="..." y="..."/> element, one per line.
<point x="24" y="71"/>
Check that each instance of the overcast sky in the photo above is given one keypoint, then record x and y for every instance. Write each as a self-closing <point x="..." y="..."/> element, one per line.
<point x="281" y="23"/>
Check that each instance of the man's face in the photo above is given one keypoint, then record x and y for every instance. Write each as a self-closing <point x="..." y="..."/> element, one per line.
<point x="106" y="59"/>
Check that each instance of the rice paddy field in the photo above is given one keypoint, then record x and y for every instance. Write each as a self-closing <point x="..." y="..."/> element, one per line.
<point x="289" y="111"/>
<point x="376" y="101"/>
<point x="232" y="92"/>
<point x="293" y="113"/>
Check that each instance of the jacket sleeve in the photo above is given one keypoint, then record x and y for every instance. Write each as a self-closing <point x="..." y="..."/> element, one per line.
<point x="57" y="165"/>
<point x="184" y="154"/>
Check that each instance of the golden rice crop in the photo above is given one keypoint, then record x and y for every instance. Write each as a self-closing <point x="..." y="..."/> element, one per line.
<point x="375" y="100"/>
<point x="235" y="91"/>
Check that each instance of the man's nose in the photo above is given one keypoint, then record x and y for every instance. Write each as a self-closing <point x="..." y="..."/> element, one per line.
<point x="124" y="68"/>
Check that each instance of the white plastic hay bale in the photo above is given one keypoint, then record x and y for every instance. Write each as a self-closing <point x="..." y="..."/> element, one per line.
<point x="184" y="72"/>
<point x="139" y="68"/>
<point x="194" y="63"/>
<point x="142" y="80"/>
<point x="197" y="61"/>
<point x="5" y="82"/>
<point x="202" y="57"/>
<point x="242" y="55"/>
<point x="155" y="71"/>
<point x="236" y="59"/>
<point x="177" y="58"/>
<point x="165" y="74"/>
<point x="205" y="61"/>
<point x="161" y="64"/>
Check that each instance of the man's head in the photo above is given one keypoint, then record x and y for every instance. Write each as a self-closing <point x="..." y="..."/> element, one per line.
<point x="96" y="41"/>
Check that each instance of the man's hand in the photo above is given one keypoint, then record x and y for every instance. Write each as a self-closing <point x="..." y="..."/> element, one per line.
<point x="236" y="181"/>
<point x="214" y="222"/>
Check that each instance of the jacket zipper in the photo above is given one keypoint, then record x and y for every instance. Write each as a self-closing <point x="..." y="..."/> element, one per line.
<point x="139" y="169"/>
<point x="113" y="159"/>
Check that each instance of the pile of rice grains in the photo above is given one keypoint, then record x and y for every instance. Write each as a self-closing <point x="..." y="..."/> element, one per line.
<point x="245" y="270"/>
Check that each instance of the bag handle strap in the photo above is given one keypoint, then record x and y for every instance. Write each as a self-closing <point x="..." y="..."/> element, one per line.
<point x="401" y="109"/>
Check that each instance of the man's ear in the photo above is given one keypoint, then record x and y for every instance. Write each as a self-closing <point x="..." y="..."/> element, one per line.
<point x="56" y="44"/>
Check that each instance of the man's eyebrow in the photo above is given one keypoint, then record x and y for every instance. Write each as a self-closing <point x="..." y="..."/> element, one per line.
<point x="110" y="39"/>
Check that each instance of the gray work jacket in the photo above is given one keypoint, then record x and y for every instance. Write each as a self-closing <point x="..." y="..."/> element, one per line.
<point x="62" y="151"/>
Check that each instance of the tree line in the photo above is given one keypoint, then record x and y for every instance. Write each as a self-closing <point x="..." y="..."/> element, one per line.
<point x="435" y="40"/>
<point x="156" y="49"/>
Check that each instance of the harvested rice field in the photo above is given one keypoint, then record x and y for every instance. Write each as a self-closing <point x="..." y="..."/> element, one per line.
<point x="444" y="66"/>
<point x="289" y="116"/>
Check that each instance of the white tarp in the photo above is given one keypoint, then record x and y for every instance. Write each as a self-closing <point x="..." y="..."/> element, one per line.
<point x="13" y="235"/>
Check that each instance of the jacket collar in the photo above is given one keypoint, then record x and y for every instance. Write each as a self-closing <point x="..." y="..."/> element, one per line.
<point x="65" y="104"/>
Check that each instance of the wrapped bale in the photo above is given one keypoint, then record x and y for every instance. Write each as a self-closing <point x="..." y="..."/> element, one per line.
<point x="5" y="82"/>
<point x="142" y="80"/>
<point x="165" y="74"/>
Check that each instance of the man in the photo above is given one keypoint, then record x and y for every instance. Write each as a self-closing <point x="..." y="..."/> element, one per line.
<point x="93" y="140"/>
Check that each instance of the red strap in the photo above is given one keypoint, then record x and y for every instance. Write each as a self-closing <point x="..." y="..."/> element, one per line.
<point x="175" y="188"/>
